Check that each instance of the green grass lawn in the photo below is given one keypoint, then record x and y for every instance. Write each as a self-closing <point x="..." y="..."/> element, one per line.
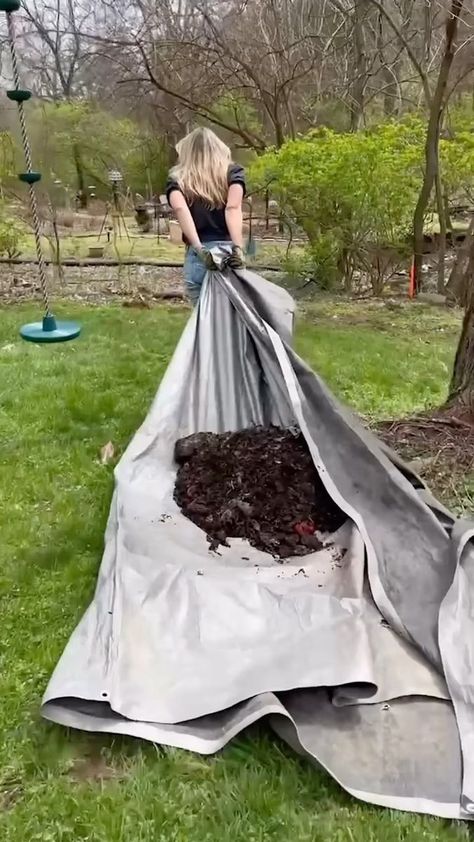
<point x="149" y="247"/>
<point x="58" y="407"/>
<point x="145" y="247"/>
<point x="137" y="247"/>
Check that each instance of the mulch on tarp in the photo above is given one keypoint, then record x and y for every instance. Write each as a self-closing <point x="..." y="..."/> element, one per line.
<point x="259" y="484"/>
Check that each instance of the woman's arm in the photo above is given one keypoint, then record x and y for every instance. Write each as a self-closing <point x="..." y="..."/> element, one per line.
<point x="183" y="215"/>
<point x="233" y="214"/>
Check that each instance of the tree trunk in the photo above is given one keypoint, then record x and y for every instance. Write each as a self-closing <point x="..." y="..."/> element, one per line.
<point x="391" y="87"/>
<point x="432" y="136"/>
<point x="427" y="32"/>
<point x="392" y="72"/>
<point x="267" y="210"/>
<point x="357" y="93"/>
<point x="391" y="99"/>
<point x="442" y="233"/>
<point x="462" y="383"/>
<point x="456" y="288"/>
<point x="81" y="182"/>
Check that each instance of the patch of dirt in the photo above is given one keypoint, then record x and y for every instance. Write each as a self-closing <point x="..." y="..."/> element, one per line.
<point x="11" y="790"/>
<point x="441" y="445"/>
<point x="259" y="484"/>
<point x="92" y="769"/>
<point x="136" y="285"/>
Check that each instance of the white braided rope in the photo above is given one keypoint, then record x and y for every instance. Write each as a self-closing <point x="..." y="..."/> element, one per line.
<point x="29" y="167"/>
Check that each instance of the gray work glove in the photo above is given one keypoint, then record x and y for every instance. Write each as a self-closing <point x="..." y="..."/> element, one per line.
<point x="207" y="258"/>
<point x="236" y="260"/>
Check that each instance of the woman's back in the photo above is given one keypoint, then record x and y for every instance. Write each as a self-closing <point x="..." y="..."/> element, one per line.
<point x="210" y="222"/>
<point x="205" y="190"/>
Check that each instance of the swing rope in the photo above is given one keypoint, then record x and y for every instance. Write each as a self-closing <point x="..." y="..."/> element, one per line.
<point x="48" y="330"/>
<point x="29" y="169"/>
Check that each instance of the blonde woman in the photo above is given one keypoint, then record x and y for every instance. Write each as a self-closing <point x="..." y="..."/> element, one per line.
<point x="205" y="189"/>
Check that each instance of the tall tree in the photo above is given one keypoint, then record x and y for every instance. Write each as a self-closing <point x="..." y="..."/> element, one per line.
<point x="58" y="53"/>
<point x="359" y="64"/>
<point x="432" y="177"/>
<point x="462" y="383"/>
<point x="436" y="96"/>
<point x="279" y="57"/>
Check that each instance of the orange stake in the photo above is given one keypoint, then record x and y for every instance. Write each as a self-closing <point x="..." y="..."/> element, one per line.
<point x="412" y="289"/>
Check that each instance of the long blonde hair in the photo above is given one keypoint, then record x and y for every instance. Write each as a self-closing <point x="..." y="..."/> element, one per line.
<point x="202" y="168"/>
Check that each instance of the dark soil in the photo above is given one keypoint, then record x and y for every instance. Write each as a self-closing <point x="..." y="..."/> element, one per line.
<point x="441" y="445"/>
<point x="259" y="484"/>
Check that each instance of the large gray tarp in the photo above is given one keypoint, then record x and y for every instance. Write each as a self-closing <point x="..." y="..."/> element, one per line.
<point x="365" y="664"/>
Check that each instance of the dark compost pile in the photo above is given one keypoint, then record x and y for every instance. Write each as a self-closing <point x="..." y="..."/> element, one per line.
<point x="259" y="484"/>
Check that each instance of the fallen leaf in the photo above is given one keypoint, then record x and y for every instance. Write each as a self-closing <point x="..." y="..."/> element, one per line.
<point x="107" y="453"/>
<point x="92" y="769"/>
<point x="10" y="792"/>
<point x="137" y="301"/>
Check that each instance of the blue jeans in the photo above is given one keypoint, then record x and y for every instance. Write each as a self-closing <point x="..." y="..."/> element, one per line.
<point x="195" y="271"/>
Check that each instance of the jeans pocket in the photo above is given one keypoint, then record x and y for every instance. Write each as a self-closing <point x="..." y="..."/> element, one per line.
<point x="194" y="269"/>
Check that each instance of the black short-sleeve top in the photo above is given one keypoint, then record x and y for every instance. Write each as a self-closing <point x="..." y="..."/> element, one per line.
<point x="210" y="222"/>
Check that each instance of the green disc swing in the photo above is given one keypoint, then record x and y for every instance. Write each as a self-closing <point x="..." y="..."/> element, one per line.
<point x="49" y="329"/>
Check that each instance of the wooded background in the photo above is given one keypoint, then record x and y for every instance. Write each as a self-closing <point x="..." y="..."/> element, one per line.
<point x="355" y="116"/>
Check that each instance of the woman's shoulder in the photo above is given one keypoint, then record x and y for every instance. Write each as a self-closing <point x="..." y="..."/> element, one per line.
<point x="236" y="174"/>
<point x="171" y="183"/>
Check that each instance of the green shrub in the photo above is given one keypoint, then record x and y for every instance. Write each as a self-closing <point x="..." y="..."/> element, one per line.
<point x="11" y="234"/>
<point x="316" y="262"/>
<point x="352" y="194"/>
<point x="72" y="139"/>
